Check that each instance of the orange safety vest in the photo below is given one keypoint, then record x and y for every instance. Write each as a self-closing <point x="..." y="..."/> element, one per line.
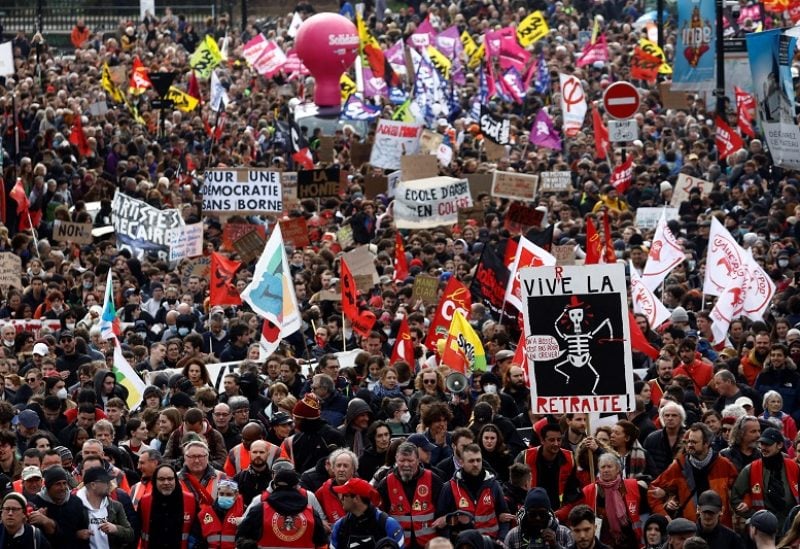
<point x="279" y="532"/>
<point x="414" y="516"/>
<point x="563" y="474"/>
<point x="220" y="534"/>
<point x="140" y="490"/>
<point x="483" y="510"/>
<point x="211" y="487"/>
<point x="631" y="502"/>
<point x="17" y="486"/>
<point x="189" y="512"/>
<point x="755" y="497"/>
<point x="239" y="458"/>
<point x="330" y="502"/>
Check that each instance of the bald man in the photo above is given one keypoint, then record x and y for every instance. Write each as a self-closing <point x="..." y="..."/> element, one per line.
<point x="256" y="477"/>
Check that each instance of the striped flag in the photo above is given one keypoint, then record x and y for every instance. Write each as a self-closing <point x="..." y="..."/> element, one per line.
<point x="127" y="377"/>
<point x="109" y="323"/>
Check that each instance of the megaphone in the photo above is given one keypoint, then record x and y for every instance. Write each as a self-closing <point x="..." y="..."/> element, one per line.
<point x="456" y="382"/>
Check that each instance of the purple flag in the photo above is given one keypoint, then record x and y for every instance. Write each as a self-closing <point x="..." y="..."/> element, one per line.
<point x="373" y="85"/>
<point x="543" y="134"/>
<point x="397" y="57"/>
<point x="424" y="36"/>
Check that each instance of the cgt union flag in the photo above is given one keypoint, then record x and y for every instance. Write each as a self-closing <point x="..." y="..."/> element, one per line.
<point x="728" y="141"/>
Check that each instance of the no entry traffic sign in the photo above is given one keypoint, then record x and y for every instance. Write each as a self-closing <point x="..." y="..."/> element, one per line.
<point x="621" y="100"/>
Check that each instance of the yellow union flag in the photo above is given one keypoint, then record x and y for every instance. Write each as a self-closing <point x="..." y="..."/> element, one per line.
<point x="652" y="48"/>
<point x="206" y="57"/>
<point x="463" y="350"/>
<point x="114" y="93"/>
<point x="348" y="87"/>
<point x="183" y="101"/>
<point x="531" y="29"/>
<point x="440" y="61"/>
<point x="473" y="52"/>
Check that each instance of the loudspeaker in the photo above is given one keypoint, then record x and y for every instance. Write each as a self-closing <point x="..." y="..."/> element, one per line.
<point x="456" y="382"/>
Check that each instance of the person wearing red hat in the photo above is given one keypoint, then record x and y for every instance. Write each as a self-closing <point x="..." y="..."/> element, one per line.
<point x="314" y="438"/>
<point x="364" y="524"/>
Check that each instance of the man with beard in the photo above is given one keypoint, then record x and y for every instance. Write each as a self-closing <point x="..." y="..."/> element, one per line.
<point x="743" y="448"/>
<point x="698" y="371"/>
<point x="698" y="470"/>
<point x="240" y="455"/>
<point x="768" y="483"/>
<point x="658" y="386"/>
<point x="357" y="421"/>
<point x="576" y="431"/>
<point x="552" y="467"/>
<point x="60" y="516"/>
<point x="255" y="479"/>
<point x="514" y="386"/>
<point x="753" y="362"/>
<point x="538" y="527"/>
<point x="107" y="521"/>
<point x="583" y="526"/>
<point x="475" y="491"/>
<point x="409" y="493"/>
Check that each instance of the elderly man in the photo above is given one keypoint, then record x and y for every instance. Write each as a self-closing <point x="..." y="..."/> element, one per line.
<point x="197" y="474"/>
<point x="60" y="515"/>
<point x="343" y="464"/>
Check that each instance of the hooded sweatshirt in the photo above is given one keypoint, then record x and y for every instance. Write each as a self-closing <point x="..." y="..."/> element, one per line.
<point x="99" y="539"/>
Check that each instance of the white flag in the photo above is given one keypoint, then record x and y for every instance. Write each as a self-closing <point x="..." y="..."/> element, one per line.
<point x="294" y="26"/>
<point x="528" y="255"/>
<point x="665" y="254"/>
<point x="730" y="304"/>
<point x="724" y="260"/>
<point x="573" y="103"/>
<point x="6" y="59"/>
<point x="760" y="289"/>
<point x="646" y="303"/>
<point x="219" y="97"/>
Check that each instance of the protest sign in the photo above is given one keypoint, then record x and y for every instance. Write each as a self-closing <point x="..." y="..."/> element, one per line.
<point x="516" y="186"/>
<point x="480" y="183"/>
<point x="198" y="266"/>
<point x="647" y="218"/>
<point x="318" y="184"/>
<point x="430" y="141"/>
<point x="295" y="232"/>
<point x="431" y="202"/>
<point x="494" y="152"/>
<point x="360" y="153"/>
<point x="140" y="227"/>
<point x="426" y="289"/>
<point x="476" y="212"/>
<point x="10" y="270"/>
<point x="326" y="150"/>
<point x="242" y="190"/>
<point x="393" y="139"/>
<point x="418" y="166"/>
<point x="67" y="231"/>
<point x="185" y="241"/>
<point x="495" y="128"/>
<point x="392" y="180"/>
<point x="231" y="232"/>
<point x="344" y="236"/>
<point x="564" y="254"/>
<point x="520" y="218"/>
<point x="289" y="184"/>
<point x="489" y="282"/>
<point x="685" y="184"/>
<point x="34" y="326"/>
<point x="374" y="185"/>
<point x="249" y="246"/>
<point x="577" y="339"/>
<point x="362" y="263"/>
<point x="554" y="182"/>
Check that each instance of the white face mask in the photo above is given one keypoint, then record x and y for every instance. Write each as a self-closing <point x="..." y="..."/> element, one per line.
<point x="490" y="389"/>
<point x="62" y="394"/>
<point x="406" y="417"/>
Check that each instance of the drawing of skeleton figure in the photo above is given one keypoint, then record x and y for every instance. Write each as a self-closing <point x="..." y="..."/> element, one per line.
<point x="573" y="326"/>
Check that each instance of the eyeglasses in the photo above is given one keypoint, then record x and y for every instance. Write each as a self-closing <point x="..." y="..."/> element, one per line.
<point x="31" y="380"/>
<point x="197" y="456"/>
<point x="429" y="381"/>
<point x="11" y="509"/>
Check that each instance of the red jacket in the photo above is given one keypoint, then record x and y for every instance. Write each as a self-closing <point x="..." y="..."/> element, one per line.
<point x="698" y="371"/>
<point x="189" y="515"/>
<point x="330" y="502"/>
<point x="632" y="502"/>
<point x="221" y="534"/>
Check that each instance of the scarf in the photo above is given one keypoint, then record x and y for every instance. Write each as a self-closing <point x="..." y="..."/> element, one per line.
<point x="616" y="512"/>
<point x="701" y="463"/>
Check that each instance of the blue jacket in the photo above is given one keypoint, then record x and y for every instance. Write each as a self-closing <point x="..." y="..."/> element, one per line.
<point x="784" y="381"/>
<point x="350" y="525"/>
<point x="334" y="409"/>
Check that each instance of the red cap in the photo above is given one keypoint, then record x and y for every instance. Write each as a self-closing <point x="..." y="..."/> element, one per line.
<point x="356" y="486"/>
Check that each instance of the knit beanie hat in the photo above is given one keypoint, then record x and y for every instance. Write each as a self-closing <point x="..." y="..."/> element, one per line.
<point x="308" y="408"/>
<point x="537" y="499"/>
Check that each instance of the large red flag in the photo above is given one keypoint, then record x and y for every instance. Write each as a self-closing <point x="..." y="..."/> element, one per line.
<point x="140" y="77"/>
<point x="349" y="292"/>
<point x="593" y="246"/>
<point x="609" y="255"/>
<point x="601" y="140"/>
<point x="728" y="141"/>
<point x="223" y="285"/>
<point x="455" y="296"/>
<point x="403" y="346"/>
<point x="622" y="176"/>
<point x="194" y="88"/>
<point x="745" y="107"/>
<point x="78" y="137"/>
<point x="639" y="341"/>
<point x="400" y="261"/>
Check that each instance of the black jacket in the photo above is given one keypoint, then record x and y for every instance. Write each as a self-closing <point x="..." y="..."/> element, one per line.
<point x="721" y="537"/>
<point x="69" y="517"/>
<point x="287" y="502"/>
<point x="315" y="440"/>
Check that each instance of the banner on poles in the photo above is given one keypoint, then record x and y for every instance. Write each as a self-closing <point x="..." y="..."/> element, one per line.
<point x="242" y="190"/>
<point x="431" y="202"/>
<point x="140" y="227"/>
<point x="577" y="339"/>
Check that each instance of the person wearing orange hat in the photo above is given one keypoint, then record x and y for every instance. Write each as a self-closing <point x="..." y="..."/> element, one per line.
<point x="364" y="524"/>
<point x="314" y="437"/>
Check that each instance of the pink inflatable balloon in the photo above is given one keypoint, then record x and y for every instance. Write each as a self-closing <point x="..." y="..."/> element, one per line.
<point x="328" y="44"/>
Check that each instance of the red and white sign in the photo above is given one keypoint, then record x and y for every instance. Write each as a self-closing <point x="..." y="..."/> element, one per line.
<point x="621" y="100"/>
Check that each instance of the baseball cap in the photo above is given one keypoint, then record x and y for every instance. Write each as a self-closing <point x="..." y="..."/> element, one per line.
<point x="421" y="442"/>
<point x="355" y="486"/>
<point x="503" y="355"/>
<point x="743" y="401"/>
<point x="709" y="501"/>
<point x="31" y="471"/>
<point x="41" y="349"/>
<point x="280" y="418"/>
<point x="771" y="436"/>
<point x="764" y="521"/>
<point x="27" y="418"/>
<point x="65" y="334"/>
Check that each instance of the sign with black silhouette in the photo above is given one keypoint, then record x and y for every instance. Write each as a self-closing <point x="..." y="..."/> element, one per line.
<point x="496" y="128"/>
<point x="577" y="339"/>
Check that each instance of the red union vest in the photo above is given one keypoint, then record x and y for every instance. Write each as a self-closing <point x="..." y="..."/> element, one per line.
<point x="189" y="513"/>
<point x="755" y="497"/>
<point x="483" y="510"/>
<point x="330" y="502"/>
<point x="279" y="532"/>
<point x="220" y="534"/>
<point x="239" y="458"/>
<point x="416" y="515"/>
<point x="140" y="490"/>
<point x="564" y="471"/>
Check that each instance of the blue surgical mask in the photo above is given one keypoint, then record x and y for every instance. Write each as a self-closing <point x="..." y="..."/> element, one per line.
<point x="225" y="502"/>
<point x="183" y="331"/>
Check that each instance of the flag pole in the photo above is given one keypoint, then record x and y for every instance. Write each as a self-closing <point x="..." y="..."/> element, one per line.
<point x="344" y="334"/>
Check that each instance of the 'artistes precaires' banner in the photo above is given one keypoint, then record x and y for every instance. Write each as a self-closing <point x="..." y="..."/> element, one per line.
<point x="693" y="68"/>
<point x="771" y="54"/>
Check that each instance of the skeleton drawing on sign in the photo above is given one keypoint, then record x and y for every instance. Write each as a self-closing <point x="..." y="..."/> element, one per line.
<point x="576" y="318"/>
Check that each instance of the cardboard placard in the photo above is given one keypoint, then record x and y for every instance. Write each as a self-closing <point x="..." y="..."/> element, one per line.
<point x="198" y="266"/>
<point x="476" y="212"/>
<point x="685" y="184"/>
<point x="673" y="99"/>
<point x="327" y="295"/>
<point x="429" y="141"/>
<point x="516" y="186"/>
<point x="325" y="153"/>
<point x="519" y="218"/>
<point x="480" y="183"/>
<point x="555" y="182"/>
<point x="67" y="231"/>
<point x="249" y="247"/>
<point x="494" y="152"/>
<point x="426" y="288"/>
<point x="359" y="154"/>
<point x="10" y="270"/>
<point x="418" y="166"/>
<point x="295" y="231"/>
<point x="374" y="185"/>
<point x="231" y="232"/>
<point x="564" y="254"/>
<point x="362" y="262"/>
<point x="364" y="283"/>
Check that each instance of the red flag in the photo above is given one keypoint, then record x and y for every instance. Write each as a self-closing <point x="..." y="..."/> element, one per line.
<point x="140" y="79"/>
<point x="23" y="205"/>
<point x="728" y="141"/>
<point x="223" y="286"/>
<point x="403" y="346"/>
<point x="521" y="360"/>
<point x="610" y="255"/>
<point x="349" y="292"/>
<point x="304" y="159"/>
<point x="194" y="88"/>
<point x="622" y="176"/>
<point x="78" y="137"/>
<point x="455" y="296"/>
<point x="644" y="66"/>
<point x="601" y="141"/>
<point x="638" y="341"/>
<point x="593" y="246"/>
<point x="745" y="107"/>
<point x="400" y="261"/>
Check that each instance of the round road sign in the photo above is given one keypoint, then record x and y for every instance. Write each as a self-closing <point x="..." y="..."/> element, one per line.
<point x="621" y="100"/>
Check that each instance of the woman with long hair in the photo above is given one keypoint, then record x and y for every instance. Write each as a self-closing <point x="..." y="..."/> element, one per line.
<point x="632" y="456"/>
<point x="196" y="372"/>
<point x="388" y="385"/>
<point x="494" y="451"/>
<point x="379" y="436"/>
<point x="168" y="420"/>
<point x="168" y="513"/>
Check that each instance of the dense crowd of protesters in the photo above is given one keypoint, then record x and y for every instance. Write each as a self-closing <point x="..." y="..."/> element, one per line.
<point x="297" y="451"/>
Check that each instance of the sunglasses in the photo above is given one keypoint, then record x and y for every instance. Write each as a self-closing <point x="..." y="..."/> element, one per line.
<point x="429" y="381"/>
